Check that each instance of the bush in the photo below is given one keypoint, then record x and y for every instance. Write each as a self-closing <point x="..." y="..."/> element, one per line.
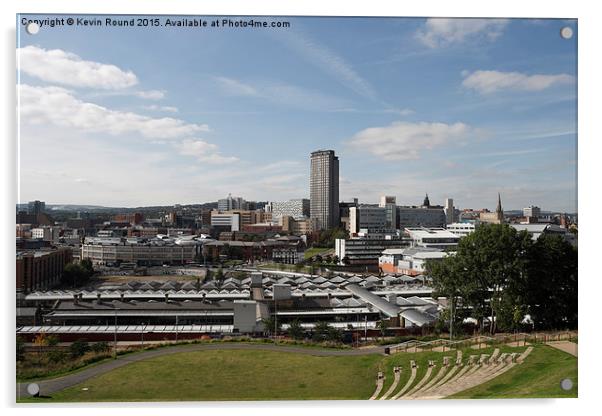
<point x="20" y="349"/>
<point x="79" y="348"/>
<point x="57" y="356"/>
<point x="100" y="347"/>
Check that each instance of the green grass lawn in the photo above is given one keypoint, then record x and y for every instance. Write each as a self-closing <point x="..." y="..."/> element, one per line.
<point x="267" y="375"/>
<point x="231" y="375"/>
<point x="538" y="377"/>
<point x="310" y="252"/>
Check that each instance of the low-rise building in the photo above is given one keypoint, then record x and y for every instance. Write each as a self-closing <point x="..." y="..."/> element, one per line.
<point x="432" y="238"/>
<point x="461" y="229"/>
<point x="408" y="261"/>
<point x="41" y="269"/>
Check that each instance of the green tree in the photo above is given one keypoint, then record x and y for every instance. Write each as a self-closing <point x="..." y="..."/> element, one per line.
<point x="487" y="272"/>
<point x="551" y="291"/>
<point x="75" y="274"/>
<point x="100" y="347"/>
<point x="20" y="349"/>
<point x="270" y="324"/>
<point x="295" y="330"/>
<point x="79" y="348"/>
<point x="321" y="331"/>
<point x="57" y="356"/>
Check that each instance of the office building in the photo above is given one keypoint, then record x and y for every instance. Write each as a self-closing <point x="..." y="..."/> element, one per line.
<point x="230" y="203"/>
<point x="408" y="261"/>
<point x="229" y="222"/>
<point x="296" y="208"/>
<point x="461" y="229"/>
<point x="432" y="238"/>
<point x="449" y="210"/>
<point x="389" y="203"/>
<point x="324" y="189"/>
<point x="41" y="269"/>
<point x="364" y="252"/>
<point x="367" y="217"/>
<point x="532" y="212"/>
<point x="36" y="207"/>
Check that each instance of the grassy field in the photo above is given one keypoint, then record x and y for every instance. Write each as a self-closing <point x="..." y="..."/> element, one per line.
<point x="232" y="375"/>
<point x="538" y="377"/>
<point x="267" y="375"/>
<point x="310" y="252"/>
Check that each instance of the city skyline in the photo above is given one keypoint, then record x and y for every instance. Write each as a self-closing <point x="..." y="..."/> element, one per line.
<point x="460" y="108"/>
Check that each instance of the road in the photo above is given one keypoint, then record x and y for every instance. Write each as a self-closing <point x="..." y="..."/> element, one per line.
<point x="47" y="387"/>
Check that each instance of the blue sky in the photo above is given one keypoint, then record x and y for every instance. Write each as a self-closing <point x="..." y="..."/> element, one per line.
<point x="461" y="108"/>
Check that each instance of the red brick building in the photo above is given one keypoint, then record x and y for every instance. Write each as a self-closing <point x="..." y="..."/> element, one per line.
<point x="41" y="269"/>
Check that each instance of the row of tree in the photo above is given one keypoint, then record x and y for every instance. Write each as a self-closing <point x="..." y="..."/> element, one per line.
<point x="499" y="275"/>
<point x="322" y="331"/>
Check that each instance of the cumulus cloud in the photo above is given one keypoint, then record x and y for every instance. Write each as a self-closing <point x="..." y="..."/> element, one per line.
<point x="203" y="151"/>
<point x="487" y="82"/>
<point x="440" y="32"/>
<point x="58" y="106"/>
<point x="58" y="66"/>
<point x="403" y="140"/>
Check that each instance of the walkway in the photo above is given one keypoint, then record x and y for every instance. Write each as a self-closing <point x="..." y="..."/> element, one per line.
<point x="566" y="346"/>
<point x="50" y="386"/>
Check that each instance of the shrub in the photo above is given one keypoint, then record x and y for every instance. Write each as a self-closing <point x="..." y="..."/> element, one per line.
<point x="100" y="347"/>
<point x="79" y="348"/>
<point x="57" y="356"/>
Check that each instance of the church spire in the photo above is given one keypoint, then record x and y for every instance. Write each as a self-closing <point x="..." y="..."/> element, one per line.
<point x="499" y="204"/>
<point x="426" y="202"/>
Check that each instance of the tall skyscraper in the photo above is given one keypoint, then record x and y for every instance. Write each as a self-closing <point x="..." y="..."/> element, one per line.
<point x="36" y="207"/>
<point x="324" y="189"/>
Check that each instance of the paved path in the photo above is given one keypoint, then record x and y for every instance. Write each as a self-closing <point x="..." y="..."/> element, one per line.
<point x="566" y="346"/>
<point x="50" y="386"/>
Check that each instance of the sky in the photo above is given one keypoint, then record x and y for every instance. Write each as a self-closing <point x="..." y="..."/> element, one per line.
<point x="456" y="108"/>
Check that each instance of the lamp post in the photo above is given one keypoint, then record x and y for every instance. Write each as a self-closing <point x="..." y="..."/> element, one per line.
<point x="115" y="335"/>
<point x="142" y="334"/>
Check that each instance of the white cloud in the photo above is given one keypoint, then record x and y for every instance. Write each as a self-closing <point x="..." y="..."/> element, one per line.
<point x="150" y="94"/>
<point x="58" y="106"/>
<point x="281" y="94"/>
<point x="487" y="82"/>
<point x="58" y="66"/>
<point x="235" y="87"/>
<point x="203" y="151"/>
<point x="402" y="140"/>
<point x="440" y="32"/>
<point x="165" y="108"/>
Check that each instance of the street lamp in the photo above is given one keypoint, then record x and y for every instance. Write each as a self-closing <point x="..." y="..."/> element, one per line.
<point x="142" y="334"/>
<point x="115" y="334"/>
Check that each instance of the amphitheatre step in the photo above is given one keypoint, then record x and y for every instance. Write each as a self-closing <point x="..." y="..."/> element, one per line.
<point x="407" y="385"/>
<point x="396" y="377"/>
<point x="424" y="379"/>
<point x="438" y="376"/>
<point x="380" y="380"/>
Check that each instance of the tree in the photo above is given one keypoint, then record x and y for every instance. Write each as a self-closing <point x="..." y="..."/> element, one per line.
<point x="219" y="276"/>
<point x="501" y="273"/>
<point x="382" y="327"/>
<point x="20" y="349"/>
<point x="295" y="330"/>
<point x="100" y="347"/>
<point x="270" y="324"/>
<point x="79" y="348"/>
<point x="486" y="272"/>
<point x="346" y="261"/>
<point x="57" y="356"/>
<point x="321" y="331"/>
<point x="75" y="274"/>
<point x="551" y="291"/>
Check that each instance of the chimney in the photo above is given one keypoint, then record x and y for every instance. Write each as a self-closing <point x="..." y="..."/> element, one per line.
<point x="122" y="296"/>
<point x="98" y="298"/>
<point x="167" y="298"/>
<point x="75" y="299"/>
